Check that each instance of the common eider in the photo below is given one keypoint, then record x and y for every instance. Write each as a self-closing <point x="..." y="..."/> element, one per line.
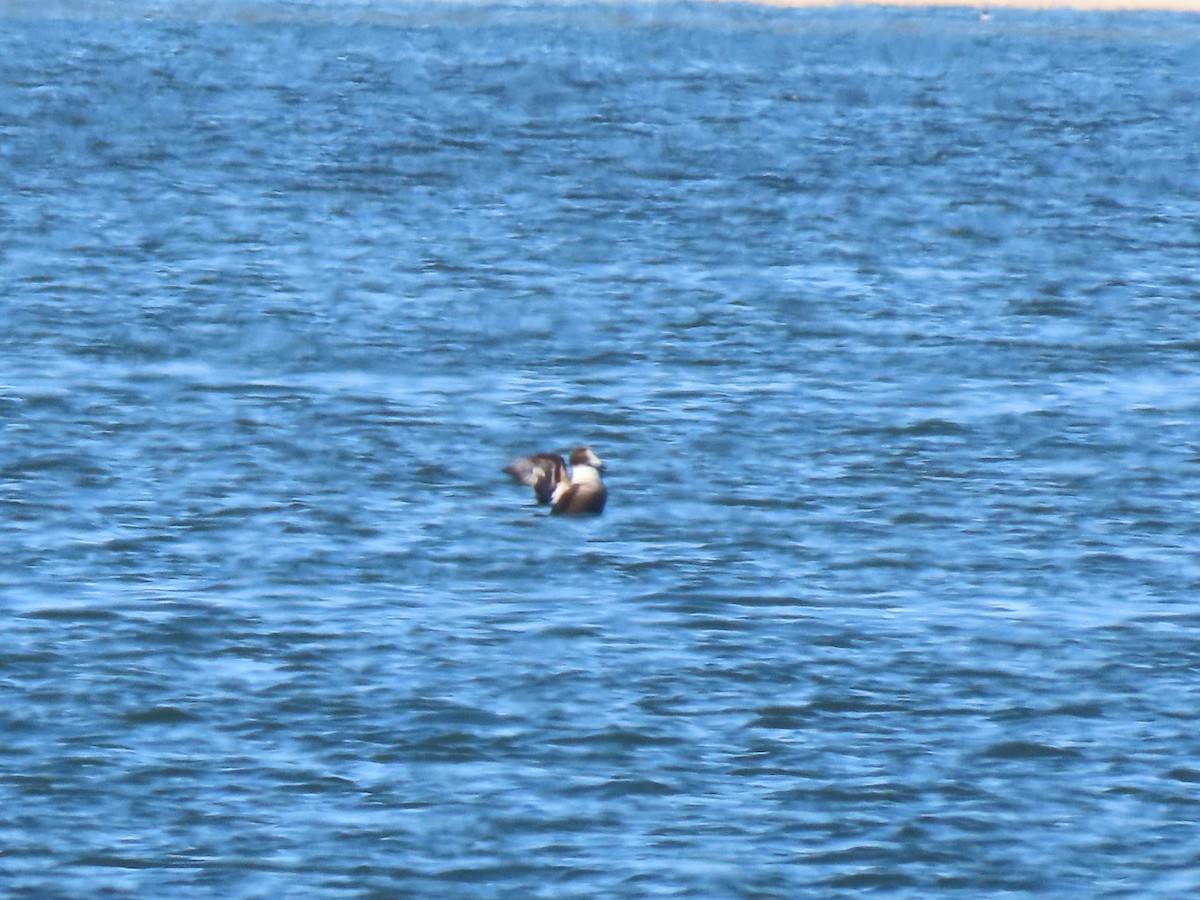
<point x="570" y="493"/>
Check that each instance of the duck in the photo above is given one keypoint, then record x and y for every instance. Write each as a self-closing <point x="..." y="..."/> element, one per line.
<point x="569" y="492"/>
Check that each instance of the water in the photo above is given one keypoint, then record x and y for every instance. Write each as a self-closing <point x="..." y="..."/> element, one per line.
<point x="885" y="322"/>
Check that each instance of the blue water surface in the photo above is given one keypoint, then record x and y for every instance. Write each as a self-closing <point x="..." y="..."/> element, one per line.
<point x="887" y="323"/>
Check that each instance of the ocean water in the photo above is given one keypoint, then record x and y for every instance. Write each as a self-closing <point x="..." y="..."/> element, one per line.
<point x="886" y="322"/>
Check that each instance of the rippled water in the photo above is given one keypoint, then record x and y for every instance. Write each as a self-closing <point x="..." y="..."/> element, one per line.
<point x="886" y="323"/>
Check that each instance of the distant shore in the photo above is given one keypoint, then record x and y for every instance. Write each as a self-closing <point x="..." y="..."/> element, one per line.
<point x="1098" y="5"/>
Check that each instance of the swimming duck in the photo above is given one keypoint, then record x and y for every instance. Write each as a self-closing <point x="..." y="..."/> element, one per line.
<point x="571" y="492"/>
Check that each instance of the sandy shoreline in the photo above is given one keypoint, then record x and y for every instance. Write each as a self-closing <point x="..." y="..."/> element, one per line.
<point x="1097" y="5"/>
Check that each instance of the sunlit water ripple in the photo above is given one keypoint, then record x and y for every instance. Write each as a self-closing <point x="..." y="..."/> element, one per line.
<point x="885" y="322"/>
